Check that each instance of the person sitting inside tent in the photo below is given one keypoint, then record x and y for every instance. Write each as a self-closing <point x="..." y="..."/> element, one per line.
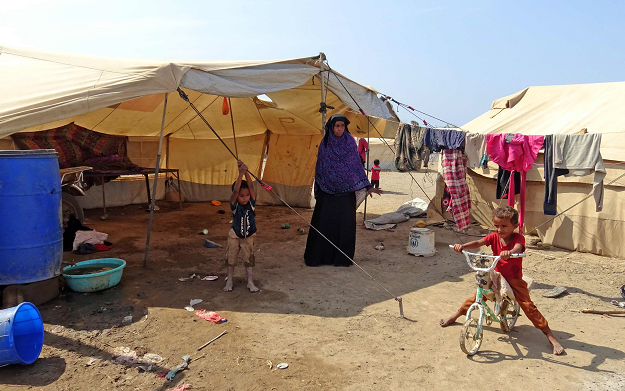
<point x="243" y="228"/>
<point x="338" y="175"/>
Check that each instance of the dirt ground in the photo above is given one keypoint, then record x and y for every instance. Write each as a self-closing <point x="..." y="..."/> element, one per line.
<point x="335" y="327"/>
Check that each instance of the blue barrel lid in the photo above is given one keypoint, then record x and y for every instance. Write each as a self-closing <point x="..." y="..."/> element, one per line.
<point x="28" y="152"/>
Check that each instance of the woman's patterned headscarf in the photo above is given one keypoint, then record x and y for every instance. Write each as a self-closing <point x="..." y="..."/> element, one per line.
<point x="339" y="168"/>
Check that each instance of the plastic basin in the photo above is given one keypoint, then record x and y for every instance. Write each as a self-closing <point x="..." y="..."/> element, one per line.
<point x="96" y="281"/>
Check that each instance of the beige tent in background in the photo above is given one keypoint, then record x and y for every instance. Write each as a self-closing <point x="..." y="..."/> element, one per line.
<point x="274" y="107"/>
<point x="567" y="109"/>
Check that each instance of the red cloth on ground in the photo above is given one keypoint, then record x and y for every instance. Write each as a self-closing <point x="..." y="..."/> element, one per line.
<point x="455" y="176"/>
<point x="516" y="155"/>
<point x="102" y="247"/>
<point x="512" y="268"/>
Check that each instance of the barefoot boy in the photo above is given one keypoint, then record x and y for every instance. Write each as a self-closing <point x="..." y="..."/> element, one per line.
<point x="241" y="235"/>
<point x="505" y="242"/>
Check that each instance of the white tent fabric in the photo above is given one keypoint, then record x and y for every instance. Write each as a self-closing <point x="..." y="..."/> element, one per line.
<point x="561" y="110"/>
<point x="43" y="90"/>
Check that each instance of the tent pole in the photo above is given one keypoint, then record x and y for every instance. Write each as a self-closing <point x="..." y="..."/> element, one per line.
<point x="153" y="201"/>
<point x="367" y="170"/>
<point x="323" y="101"/>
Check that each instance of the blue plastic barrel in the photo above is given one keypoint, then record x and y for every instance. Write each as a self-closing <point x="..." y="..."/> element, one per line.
<point x="21" y="334"/>
<point x="31" y="232"/>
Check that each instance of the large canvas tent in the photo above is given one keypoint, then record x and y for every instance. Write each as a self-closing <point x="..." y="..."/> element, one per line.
<point x="565" y="109"/>
<point x="274" y="107"/>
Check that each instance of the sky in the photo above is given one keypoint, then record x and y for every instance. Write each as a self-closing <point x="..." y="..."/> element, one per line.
<point x="449" y="59"/>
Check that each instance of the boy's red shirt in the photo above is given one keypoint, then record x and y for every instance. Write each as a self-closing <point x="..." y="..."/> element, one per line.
<point x="375" y="173"/>
<point x="512" y="268"/>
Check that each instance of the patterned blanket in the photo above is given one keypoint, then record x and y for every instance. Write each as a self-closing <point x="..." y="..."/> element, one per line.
<point x="73" y="143"/>
<point x="454" y="173"/>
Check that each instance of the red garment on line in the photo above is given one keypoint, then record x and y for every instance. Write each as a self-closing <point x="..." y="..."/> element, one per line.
<point x="517" y="155"/>
<point x="455" y="176"/>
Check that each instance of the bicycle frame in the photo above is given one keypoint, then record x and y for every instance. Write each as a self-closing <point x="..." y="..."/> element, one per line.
<point x="480" y="303"/>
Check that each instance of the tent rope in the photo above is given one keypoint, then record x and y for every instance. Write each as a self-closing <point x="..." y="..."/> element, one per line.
<point x="394" y="152"/>
<point x="265" y="186"/>
<point x="406" y="107"/>
<point x="233" y="134"/>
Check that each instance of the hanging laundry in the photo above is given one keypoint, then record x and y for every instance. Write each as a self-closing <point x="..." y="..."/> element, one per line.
<point x="475" y="149"/>
<point x="581" y="155"/>
<point x="409" y="148"/>
<point x="438" y="139"/>
<point x="550" y="204"/>
<point x="455" y="175"/>
<point x="515" y="153"/>
<point x="503" y="182"/>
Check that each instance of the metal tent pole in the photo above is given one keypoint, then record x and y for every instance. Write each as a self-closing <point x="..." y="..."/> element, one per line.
<point x="153" y="201"/>
<point x="367" y="169"/>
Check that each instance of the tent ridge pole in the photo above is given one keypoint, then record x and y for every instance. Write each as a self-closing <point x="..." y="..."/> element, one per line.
<point x="153" y="200"/>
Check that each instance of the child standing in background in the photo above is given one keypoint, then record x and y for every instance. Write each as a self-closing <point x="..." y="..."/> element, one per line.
<point x="375" y="174"/>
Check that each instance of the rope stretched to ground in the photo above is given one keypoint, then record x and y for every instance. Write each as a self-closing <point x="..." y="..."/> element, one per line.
<point x="392" y="150"/>
<point x="265" y="186"/>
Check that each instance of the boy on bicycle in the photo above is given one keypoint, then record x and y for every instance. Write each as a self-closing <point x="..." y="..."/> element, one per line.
<point x="503" y="243"/>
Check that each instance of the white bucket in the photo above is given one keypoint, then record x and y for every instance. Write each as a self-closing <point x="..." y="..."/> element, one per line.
<point x="421" y="242"/>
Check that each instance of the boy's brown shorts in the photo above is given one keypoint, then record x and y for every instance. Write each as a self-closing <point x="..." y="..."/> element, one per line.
<point x="237" y="245"/>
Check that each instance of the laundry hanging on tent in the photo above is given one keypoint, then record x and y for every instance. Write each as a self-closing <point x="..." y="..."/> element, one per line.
<point x="579" y="154"/>
<point x="503" y="183"/>
<point x="515" y="153"/>
<point x="455" y="175"/>
<point x="475" y="149"/>
<point x="550" y="202"/>
<point x="438" y="139"/>
<point x="409" y="148"/>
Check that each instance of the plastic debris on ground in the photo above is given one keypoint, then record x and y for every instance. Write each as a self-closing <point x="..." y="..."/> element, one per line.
<point x="380" y="246"/>
<point x="618" y="304"/>
<point x="171" y="374"/>
<point x="211" y="244"/>
<point x="127" y="319"/>
<point x="182" y="387"/>
<point x="282" y="365"/>
<point x="555" y="292"/>
<point x="211" y="316"/>
<point x="124" y="355"/>
<point x="210" y="278"/>
<point x="151" y="358"/>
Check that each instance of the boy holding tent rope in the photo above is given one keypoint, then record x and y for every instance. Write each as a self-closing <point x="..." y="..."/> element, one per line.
<point x="243" y="228"/>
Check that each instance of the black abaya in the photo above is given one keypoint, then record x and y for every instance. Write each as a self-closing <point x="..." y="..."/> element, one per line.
<point x="335" y="217"/>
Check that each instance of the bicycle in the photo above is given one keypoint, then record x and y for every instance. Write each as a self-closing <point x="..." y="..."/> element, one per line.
<point x="506" y="312"/>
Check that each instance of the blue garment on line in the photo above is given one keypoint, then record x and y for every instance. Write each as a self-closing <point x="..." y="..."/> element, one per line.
<point x="439" y="139"/>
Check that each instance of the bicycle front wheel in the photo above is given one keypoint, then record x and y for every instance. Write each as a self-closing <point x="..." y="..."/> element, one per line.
<point x="471" y="336"/>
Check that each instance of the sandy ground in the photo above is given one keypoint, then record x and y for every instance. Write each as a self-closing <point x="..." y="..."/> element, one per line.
<point x="335" y="327"/>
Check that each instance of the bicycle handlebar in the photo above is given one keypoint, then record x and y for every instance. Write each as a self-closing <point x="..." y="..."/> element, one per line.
<point x="496" y="259"/>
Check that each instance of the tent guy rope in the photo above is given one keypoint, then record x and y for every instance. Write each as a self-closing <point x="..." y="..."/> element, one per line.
<point x="265" y="186"/>
<point x="394" y="152"/>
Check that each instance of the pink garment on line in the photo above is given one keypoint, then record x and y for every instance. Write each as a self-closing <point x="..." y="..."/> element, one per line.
<point x="517" y="155"/>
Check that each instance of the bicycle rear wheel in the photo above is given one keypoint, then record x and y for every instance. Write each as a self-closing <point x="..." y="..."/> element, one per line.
<point x="508" y="313"/>
<point x="471" y="336"/>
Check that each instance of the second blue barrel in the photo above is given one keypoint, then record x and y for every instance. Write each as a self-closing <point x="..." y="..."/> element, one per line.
<point x="31" y="232"/>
